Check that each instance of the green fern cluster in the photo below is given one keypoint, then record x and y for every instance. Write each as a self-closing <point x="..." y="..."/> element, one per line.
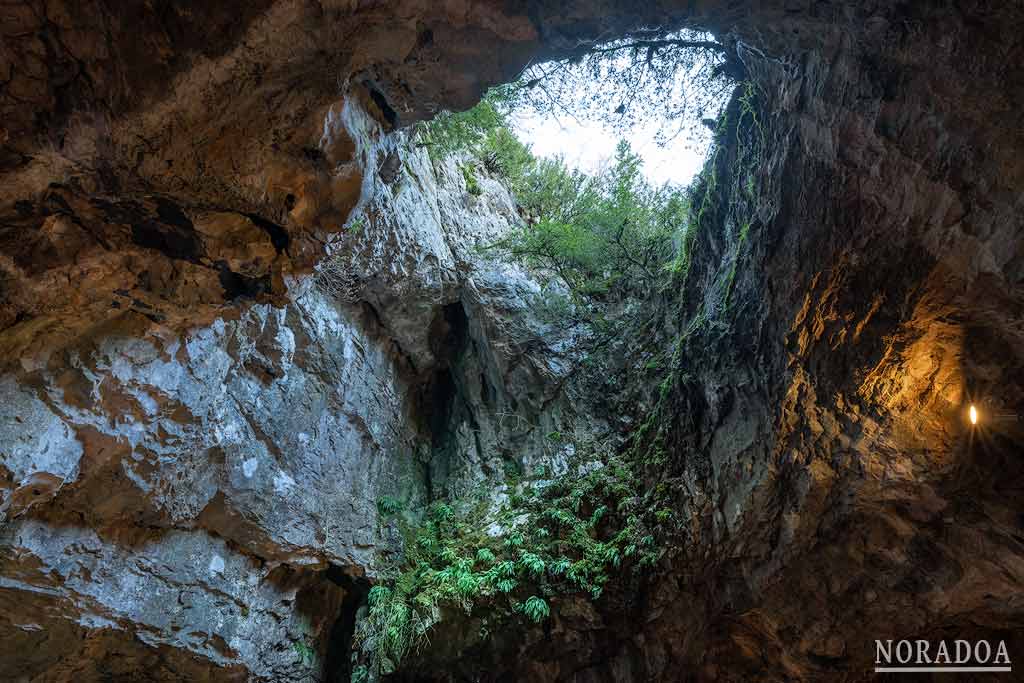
<point x="388" y="506"/>
<point x="579" y="532"/>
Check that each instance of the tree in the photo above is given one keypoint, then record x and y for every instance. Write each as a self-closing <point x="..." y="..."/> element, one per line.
<point x="676" y="79"/>
<point x="610" y="235"/>
<point x="469" y="130"/>
<point x="605" y="236"/>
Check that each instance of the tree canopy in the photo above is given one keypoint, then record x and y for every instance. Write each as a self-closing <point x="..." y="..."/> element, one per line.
<point x="603" y="236"/>
<point x="673" y="80"/>
<point x="611" y="234"/>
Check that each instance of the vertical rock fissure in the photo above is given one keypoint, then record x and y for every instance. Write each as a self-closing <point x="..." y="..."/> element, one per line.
<point x="449" y="336"/>
<point x="338" y="657"/>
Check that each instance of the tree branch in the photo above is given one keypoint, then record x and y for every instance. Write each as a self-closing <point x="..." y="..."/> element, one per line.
<point x="655" y="44"/>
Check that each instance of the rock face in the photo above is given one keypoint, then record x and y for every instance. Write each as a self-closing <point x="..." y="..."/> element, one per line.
<point x="212" y="493"/>
<point x="194" y="436"/>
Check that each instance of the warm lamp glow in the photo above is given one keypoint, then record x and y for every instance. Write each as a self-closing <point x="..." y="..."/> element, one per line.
<point x="973" y="414"/>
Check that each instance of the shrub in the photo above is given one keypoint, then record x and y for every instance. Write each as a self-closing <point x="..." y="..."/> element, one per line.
<point x="472" y="186"/>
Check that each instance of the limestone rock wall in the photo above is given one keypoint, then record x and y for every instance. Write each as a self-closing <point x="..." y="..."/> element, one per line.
<point x="194" y="437"/>
<point x="211" y="493"/>
<point x="854" y="288"/>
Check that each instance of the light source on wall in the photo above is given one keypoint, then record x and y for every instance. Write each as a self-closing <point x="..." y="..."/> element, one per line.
<point x="972" y="415"/>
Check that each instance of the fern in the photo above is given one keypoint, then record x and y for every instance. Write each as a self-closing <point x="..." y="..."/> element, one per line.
<point x="532" y="563"/>
<point x="514" y="541"/>
<point x="578" y="533"/>
<point x="505" y="585"/>
<point x="388" y="506"/>
<point x="536" y="609"/>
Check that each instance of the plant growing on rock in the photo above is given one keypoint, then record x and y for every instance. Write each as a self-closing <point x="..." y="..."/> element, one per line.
<point x="563" y="537"/>
<point x="536" y="609"/>
<point x="449" y="133"/>
<point x="472" y="185"/>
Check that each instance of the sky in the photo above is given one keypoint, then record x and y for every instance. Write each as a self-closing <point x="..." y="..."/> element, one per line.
<point x="586" y="145"/>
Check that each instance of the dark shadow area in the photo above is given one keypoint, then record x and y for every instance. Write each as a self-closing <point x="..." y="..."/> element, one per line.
<point x="277" y="233"/>
<point x="338" y="660"/>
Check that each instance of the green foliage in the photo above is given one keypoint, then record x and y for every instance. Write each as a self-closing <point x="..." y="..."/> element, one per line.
<point x="480" y="135"/>
<point x="472" y="186"/>
<point x="532" y="564"/>
<point x="304" y="652"/>
<point x="356" y="225"/>
<point x="536" y="609"/>
<point x="604" y="236"/>
<point x="574" y="540"/>
<point x="601" y="236"/>
<point x="467" y="131"/>
<point x="388" y="506"/>
<point x="395" y="626"/>
<point x="360" y="674"/>
<point x="502" y="154"/>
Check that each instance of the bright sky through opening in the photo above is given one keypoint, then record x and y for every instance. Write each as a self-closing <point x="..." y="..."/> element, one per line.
<point x="588" y="145"/>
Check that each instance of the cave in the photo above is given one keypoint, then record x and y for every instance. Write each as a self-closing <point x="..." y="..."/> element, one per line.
<point x="200" y="429"/>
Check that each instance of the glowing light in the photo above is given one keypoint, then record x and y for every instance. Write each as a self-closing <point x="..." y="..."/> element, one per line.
<point x="973" y="414"/>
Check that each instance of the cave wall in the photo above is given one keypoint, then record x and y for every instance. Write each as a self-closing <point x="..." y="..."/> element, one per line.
<point x="876" y="297"/>
<point x="856" y="286"/>
<point x="208" y="496"/>
<point x="171" y="176"/>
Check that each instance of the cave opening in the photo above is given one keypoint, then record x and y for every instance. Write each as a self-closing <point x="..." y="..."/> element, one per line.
<point x="338" y="658"/>
<point x="440" y="401"/>
<point x="687" y="324"/>
<point x="660" y="92"/>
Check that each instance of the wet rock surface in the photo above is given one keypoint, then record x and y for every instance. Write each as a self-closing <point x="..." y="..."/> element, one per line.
<point x="194" y="436"/>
